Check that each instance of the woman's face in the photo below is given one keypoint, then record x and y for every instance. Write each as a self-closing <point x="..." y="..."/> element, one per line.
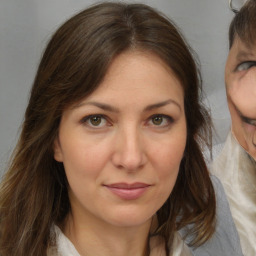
<point x="240" y="77"/>
<point x="122" y="146"/>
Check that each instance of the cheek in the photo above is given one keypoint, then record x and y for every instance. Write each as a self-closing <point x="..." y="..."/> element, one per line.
<point x="83" y="158"/>
<point x="243" y="132"/>
<point x="243" y="93"/>
<point x="167" y="170"/>
<point x="168" y="157"/>
<point x="174" y="156"/>
<point x="237" y="126"/>
<point x="236" y="120"/>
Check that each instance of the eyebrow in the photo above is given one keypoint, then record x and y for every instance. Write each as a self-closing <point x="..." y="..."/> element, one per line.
<point x="162" y="104"/>
<point x="110" y="108"/>
<point x="241" y="55"/>
<point x="99" y="105"/>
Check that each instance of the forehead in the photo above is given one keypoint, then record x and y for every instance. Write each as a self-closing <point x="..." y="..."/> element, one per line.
<point x="135" y="78"/>
<point x="242" y="49"/>
<point x="139" y="68"/>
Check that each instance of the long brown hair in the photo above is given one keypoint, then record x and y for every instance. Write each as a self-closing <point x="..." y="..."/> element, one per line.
<point x="34" y="190"/>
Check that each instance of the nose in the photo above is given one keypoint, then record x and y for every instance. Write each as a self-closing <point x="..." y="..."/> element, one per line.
<point x="129" y="152"/>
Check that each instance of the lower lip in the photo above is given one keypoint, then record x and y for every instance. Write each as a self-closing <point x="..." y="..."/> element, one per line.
<point x="128" y="194"/>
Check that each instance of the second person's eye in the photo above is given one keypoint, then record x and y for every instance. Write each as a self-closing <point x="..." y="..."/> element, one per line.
<point x="245" y="65"/>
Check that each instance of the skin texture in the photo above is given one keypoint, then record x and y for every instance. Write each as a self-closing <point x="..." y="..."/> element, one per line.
<point x="240" y="76"/>
<point x="124" y="143"/>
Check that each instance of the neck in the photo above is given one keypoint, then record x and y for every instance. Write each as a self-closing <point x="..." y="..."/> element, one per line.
<point x="102" y="239"/>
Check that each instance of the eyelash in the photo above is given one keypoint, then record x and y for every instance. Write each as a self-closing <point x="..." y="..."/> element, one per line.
<point x="165" y="118"/>
<point x="247" y="64"/>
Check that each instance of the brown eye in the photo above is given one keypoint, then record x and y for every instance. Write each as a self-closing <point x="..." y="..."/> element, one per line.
<point x="95" y="120"/>
<point x="157" y="120"/>
<point x="160" y="121"/>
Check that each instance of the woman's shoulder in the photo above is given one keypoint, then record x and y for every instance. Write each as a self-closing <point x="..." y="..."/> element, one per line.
<point x="225" y="240"/>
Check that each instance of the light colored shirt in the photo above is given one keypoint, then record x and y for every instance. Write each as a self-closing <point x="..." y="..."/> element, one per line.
<point x="237" y="172"/>
<point x="225" y="240"/>
<point x="64" y="247"/>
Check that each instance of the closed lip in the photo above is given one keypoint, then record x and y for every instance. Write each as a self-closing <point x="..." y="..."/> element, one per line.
<point x="128" y="185"/>
<point x="128" y="191"/>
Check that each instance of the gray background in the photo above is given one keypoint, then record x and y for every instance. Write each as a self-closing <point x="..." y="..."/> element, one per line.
<point x="26" y="26"/>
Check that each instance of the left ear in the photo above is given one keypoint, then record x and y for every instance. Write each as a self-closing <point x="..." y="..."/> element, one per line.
<point x="57" y="152"/>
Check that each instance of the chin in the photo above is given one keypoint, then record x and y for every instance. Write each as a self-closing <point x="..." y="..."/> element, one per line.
<point x="130" y="218"/>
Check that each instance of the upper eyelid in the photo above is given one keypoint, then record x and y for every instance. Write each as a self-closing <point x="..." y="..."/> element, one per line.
<point x="92" y="115"/>
<point x="247" y="61"/>
<point x="162" y="115"/>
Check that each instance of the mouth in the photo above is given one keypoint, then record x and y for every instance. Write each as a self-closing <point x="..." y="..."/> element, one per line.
<point x="128" y="191"/>
<point x="249" y="120"/>
<point x="244" y="118"/>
